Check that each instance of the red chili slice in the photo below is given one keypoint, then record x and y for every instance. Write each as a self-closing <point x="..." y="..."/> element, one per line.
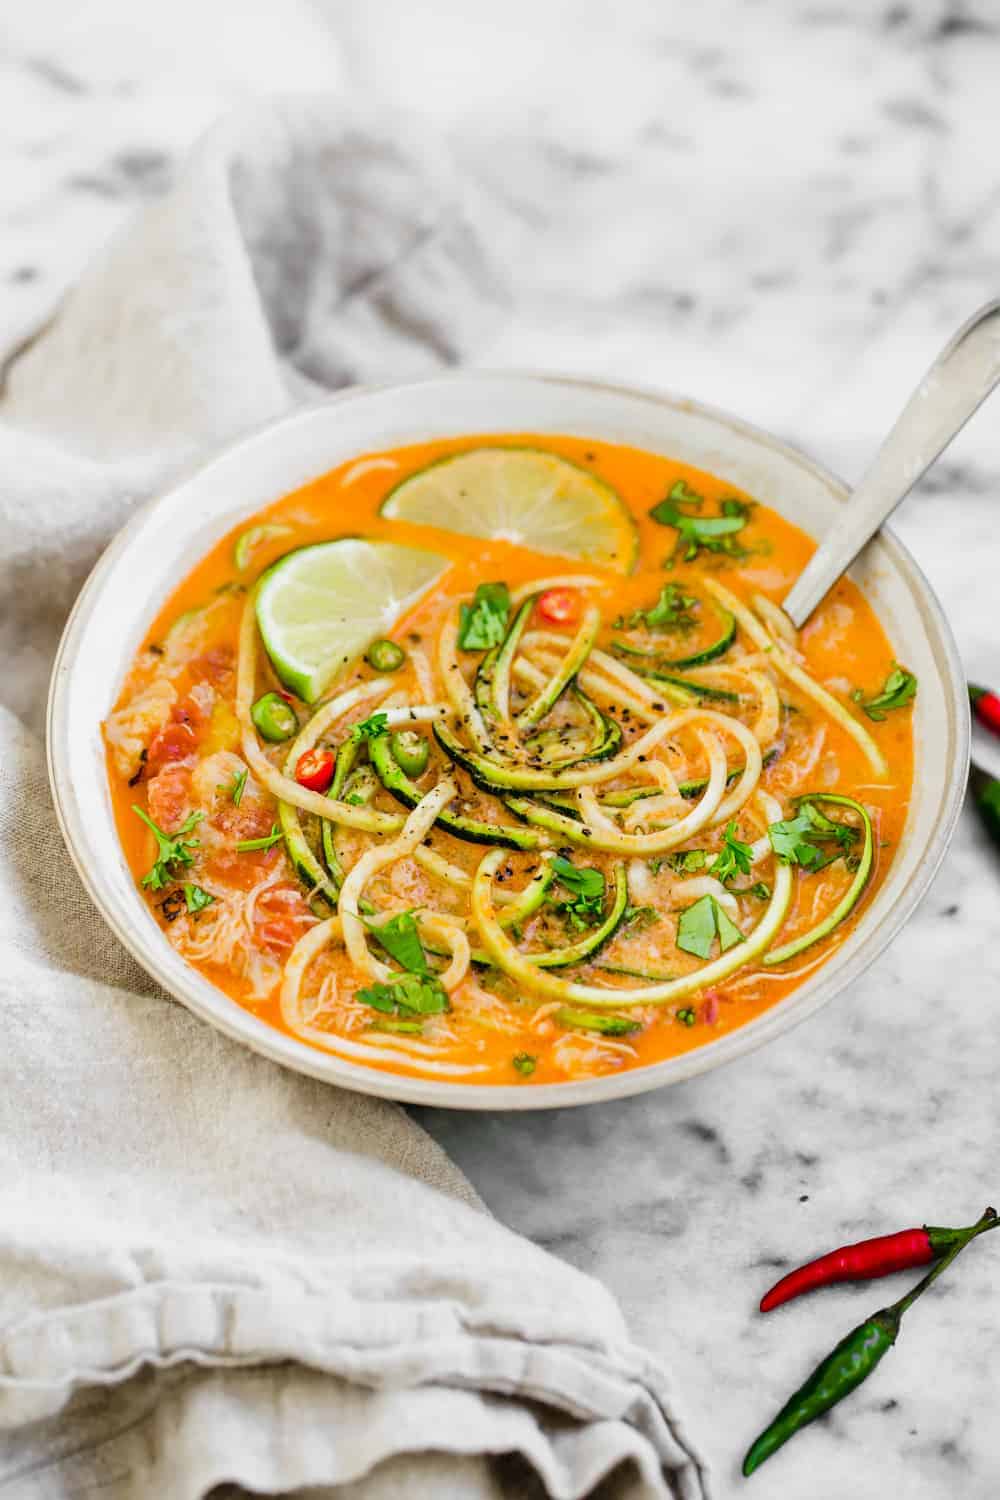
<point x="559" y="606"/>
<point x="315" y="769"/>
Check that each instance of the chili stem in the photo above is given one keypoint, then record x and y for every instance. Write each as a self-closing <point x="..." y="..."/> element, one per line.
<point x="989" y="1220"/>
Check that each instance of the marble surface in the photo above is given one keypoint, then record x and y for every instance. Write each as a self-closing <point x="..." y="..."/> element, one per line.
<point x="784" y="209"/>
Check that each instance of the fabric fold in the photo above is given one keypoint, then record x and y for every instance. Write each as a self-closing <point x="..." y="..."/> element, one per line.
<point x="218" y="1277"/>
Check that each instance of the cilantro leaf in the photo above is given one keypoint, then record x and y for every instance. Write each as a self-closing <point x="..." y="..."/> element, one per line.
<point x="172" y="849"/>
<point x="729" y="933"/>
<point x="734" y="858"/>
<point x="796" y="840"/>
<point x="483" y="623"/>
<point x="406" y="994"/>
<point x="370" y="728"/>
<point x="400" y="939"/>
<point x="673" y="610"/>
<point x="734" y="507"/>
<point x="696" y="928"/>
<point x="247" y="846"/>
<point x="640" y="917"/>
<point x="899" y="689"/>
<point x="586" y="886"/>
<point x="790" y="841"/>
<point x="195" y="898"/>
<point x="701" y="923"/>
<point x="684" y="861"/>
<point x="713" y="533"/>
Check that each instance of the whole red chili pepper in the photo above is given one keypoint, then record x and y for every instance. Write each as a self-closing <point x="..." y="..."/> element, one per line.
<point x="986" y="707"/>
<point x="865" y="1261"/>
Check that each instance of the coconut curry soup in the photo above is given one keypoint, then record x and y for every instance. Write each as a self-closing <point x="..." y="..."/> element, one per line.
<point x="495" y="761"/>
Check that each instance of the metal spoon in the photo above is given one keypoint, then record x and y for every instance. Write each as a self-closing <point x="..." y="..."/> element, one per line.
<point x="956" y="384"/>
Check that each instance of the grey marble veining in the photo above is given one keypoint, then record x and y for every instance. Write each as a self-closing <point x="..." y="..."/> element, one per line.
<point x="783" y="209"/>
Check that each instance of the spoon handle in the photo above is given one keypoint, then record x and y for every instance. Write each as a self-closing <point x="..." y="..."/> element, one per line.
<point x="957" y="383"/>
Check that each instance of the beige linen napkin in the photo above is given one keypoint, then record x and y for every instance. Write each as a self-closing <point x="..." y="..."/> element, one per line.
<point x="217" y="1276"/>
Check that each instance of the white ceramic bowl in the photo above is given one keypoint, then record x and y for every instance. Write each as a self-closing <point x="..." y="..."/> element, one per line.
<point x="168" y="536"/>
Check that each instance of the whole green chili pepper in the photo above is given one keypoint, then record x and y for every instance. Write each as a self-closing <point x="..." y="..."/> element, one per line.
<point x="986" y="798"/>
<point x="853" y="1360"/>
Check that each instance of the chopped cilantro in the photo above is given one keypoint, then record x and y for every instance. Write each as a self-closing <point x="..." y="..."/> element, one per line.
<point x="368" y="729"/>
<point x="734" y="507"/>
<point x="701" y="923"/>
<point x="796" y="840"/>
<point x="586" y="887"/>
<point x="734" y="858"/>
<point x="400" y="939"/>
<point x="197" y="899"/>
<point x="713" y="533"/>
<point x="524" y="1063"/>
<point x="237" y="786"/>
<point x="640" y="917"/>
<point x="247" y="846"/>
<point x="899" y="689"/>
<point x="483" y="623"/>
<point x="413" y="994"/>
<point x="172" y="849"/>
<point x="729" y="933"/>
<point x="683" y="861"/>
<point x="685" y="1015"/>
<point x="673" y="610"/>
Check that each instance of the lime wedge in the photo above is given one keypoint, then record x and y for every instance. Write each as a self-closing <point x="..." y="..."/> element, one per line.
<point x="318" y="608"/>
<point x="522" y="495"/>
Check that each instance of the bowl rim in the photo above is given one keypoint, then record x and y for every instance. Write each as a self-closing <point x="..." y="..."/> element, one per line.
<point x="211" y="1004"/>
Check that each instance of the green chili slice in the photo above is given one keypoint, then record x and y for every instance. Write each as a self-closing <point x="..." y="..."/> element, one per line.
<point x="410" y="751"/>
<point x="385" y="656"/>
<point x="274" y="718"/>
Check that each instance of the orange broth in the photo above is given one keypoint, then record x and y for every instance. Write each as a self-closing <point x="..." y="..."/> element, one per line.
<point x="843" y="646"/>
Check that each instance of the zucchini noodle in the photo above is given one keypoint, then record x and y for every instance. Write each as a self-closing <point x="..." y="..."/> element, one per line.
<point x="760" y="637"/>
<point x="417" y="826"/>
<point x="417" y="1054"/>
<point x="458" y="690"/>
<point x="777" y="622"/>
<point x="541" y="982"/>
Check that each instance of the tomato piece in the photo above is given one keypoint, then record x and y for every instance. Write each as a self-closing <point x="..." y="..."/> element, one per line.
<point x="175" y="741"/>
<point x="169" y="796"/>
<point x="281" y="917"/>
<point x="559" y="606"/>
<point x="315" y="769"/>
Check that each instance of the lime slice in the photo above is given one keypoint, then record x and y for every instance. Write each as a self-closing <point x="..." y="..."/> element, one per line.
<point x="320" y="607"/>
<point x="522" y="495"/>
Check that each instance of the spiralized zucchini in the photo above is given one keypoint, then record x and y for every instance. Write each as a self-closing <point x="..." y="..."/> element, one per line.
<point x="517" y="966"/>
<point x="688" y="766"/>
<point x="762" y="638"/>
